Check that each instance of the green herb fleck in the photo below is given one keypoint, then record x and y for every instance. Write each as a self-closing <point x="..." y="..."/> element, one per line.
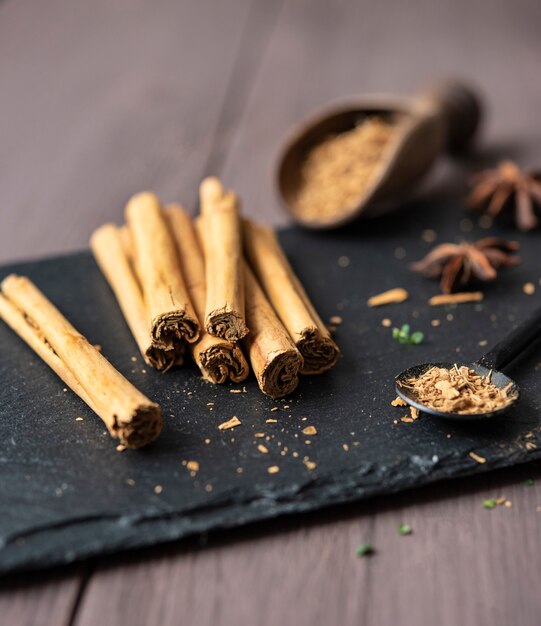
<point x="364" y="549"/>
<point x="404" y="529"/>
<point x="403" y="335"/>
<point x="490" y="503"/>
<point x="528" y="482"/>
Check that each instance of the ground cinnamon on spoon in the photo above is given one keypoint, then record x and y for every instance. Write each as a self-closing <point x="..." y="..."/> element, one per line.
<point x="459" y="390"/>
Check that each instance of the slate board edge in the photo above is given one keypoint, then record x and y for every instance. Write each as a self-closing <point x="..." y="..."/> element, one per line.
<point x="13" y="556"/>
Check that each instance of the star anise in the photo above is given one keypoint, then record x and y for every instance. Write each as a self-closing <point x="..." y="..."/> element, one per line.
<point x="458" y="264"/>
<point x="508" y="187"/>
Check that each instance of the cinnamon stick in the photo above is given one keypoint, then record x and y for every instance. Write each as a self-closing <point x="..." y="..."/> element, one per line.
<point x="109" y="251"/>
<point x="128" y="414"/>
<point x="170" y="311"/>
<point x="221" y="240"/>
<point x="289" y="299"/>
<point x="218" y="359"/>
<point x="274" y="358"/>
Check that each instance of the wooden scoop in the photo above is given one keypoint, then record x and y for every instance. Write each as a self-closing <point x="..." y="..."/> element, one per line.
<point x="443" y="117"/>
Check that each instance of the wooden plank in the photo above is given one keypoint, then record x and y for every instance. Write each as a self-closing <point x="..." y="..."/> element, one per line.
<point x="28" y="600"/>
<point x="102" y="99"/>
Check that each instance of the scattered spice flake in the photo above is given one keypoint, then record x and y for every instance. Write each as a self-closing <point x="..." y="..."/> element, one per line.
<point x="343" y="261"/>
<point x="528" y="289"/>
<point x="404" y="529"/>
<point x="478" y="458"/>
<point x="158" y="489"/>
<point x="271" y="421"/>
<point x="528" y="482"/>
<point x="393" y="296"/>
<point x="210" y="403"/>
<point x="193" y="466"/>
<point x="274" y="408"/>
<point x="310" y="465"/>
<point x="414" y="413"/>
<point x="234" y="421"/>
<point x="259" y="435"/>
<point x="435" y="323"/>
<point x="310" y="430"/>
<point x="235" y="391"/>
<point x="79" y="419"/>
<point x="490" y="503"/>
<point x="456" y="298"/>
<point x="286" y="406"/>
<point x="273" y="469"/>
<point x="346" y="447"/>
<point x="364" y="549"/>
<point x="262" y="449"/>
<point x="335" y="320"/>
<point x="399" y="402"/>
<point x="386" y="322"/>
<point x="121" y="447"/>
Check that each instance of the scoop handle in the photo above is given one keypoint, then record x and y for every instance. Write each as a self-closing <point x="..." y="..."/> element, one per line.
<point x="516" y="342"/>
<point x="460" y="109"/>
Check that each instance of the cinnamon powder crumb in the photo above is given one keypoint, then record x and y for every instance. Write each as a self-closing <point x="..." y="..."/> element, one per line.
<point x="456" y="298"/>
<point x="392" y="296"/>
<point x="478" y="458"/>
<point x="234" y="421"/>
<point x="399" y="402"/>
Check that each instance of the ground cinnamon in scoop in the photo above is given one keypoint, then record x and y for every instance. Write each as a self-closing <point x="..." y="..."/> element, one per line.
<point x="459" y="390"/>
<point x="337" y="171"/>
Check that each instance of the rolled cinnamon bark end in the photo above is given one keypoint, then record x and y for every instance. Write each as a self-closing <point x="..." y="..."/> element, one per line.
<point x="289" y="299"/>
<point x="222" y="246"/>
<point x="169" y="308"/>
<point x="274" y="358"/>
<point x="218" y="359"/>
<point x="109" y="247"/>
<point x="128" y="414"/>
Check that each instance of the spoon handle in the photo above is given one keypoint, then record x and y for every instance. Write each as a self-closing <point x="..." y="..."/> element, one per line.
<point x="516" y="342"/>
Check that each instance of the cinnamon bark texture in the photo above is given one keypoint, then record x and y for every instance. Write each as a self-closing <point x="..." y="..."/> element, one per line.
<point x="218" y="359"/>
<point x="289" y="299"/>
<point x="222" y="245"/>
<point x="109" y="249"/>
<point x="274" y="358"/>
<point x="128" y="414"/>
<point x="170" y="311"/>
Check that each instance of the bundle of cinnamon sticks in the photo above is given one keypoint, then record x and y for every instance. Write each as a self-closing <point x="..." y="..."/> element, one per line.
<point x="219" y="287"/>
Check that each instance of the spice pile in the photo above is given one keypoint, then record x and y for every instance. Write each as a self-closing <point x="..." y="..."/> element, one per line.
<point x="338" y="170"/>
<point x="459" y="390"/>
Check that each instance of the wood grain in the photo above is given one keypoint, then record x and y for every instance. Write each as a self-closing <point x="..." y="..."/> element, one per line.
<point x="101" y="99"/>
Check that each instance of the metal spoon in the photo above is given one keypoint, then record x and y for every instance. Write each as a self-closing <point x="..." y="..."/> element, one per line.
<point x="442" y="117"/>
<point x="514" y="344"/>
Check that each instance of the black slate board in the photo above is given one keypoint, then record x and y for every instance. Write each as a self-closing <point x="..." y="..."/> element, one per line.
<point x="66" y="494"/>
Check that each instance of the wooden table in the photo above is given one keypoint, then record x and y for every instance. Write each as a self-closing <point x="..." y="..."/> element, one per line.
<point x="102" y="98"/>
